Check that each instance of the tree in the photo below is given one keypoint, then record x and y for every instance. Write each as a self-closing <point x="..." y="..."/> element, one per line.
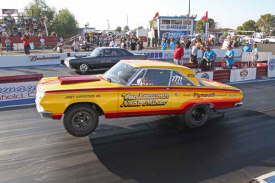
<point x="240" y="28"/>
<point x="212" y="24"/>
<point x="126" y="28"/>
<point x="39" y="9"/>
<point x="139" y="27"/>
<point x="65" y="24"/>
<point x="249" y="25"/>
<point x="200" y="26"/>
<point x="118" y="29"/>
<point x="266" y="22"/>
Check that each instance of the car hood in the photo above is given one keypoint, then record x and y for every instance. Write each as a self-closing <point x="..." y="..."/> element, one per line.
<point x="68" y="83"/>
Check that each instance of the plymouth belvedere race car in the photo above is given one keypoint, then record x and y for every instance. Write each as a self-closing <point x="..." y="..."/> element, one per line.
<point x="132" y="88"/>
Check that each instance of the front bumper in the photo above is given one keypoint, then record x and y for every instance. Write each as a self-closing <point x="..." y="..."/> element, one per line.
<point x="51" y="115"/>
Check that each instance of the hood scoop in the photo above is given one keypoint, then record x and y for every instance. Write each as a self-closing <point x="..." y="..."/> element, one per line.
<point x="77" y="79"/>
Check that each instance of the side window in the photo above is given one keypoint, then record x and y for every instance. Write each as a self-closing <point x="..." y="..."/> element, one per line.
<point x="107" y="52"/>
<point x="179" y="80"/>
<point x="124" y="53"/>
<point x="154" y="77"/>
<point x="116" y="53"/>
<point x="138" y="79"/>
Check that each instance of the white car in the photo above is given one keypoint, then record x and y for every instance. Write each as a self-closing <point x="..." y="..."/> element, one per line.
<point x="271" y="39"/>
<point x="266" y="178"/>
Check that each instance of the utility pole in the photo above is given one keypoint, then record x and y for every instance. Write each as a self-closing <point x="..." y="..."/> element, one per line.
<point x="127" y="20"/>
<point x="189" y="9"/>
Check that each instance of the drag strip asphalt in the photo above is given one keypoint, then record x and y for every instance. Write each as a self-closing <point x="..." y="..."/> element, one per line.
<point x="145" y="149"/>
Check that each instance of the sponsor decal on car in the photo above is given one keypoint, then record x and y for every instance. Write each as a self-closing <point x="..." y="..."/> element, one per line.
<point x="142" y="100"/>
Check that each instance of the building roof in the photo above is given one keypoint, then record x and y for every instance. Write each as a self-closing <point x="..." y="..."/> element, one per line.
<point x="176" y="17"/>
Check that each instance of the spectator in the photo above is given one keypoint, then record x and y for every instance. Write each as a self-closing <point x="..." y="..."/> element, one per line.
<point x="133" y="44"/>
<point x="178" y="53"/>
<point x="148" y="42"/>
<point x="187" y="43"/>
<point x="172" y="45"/>
<point x="42" y="43"/>
<point x="26" y="43"/>
<point x="208" y="59"/>
<point x="163" y="44"/>
<point x="75" y="45"/>
<point x="194" y="53"/>
<point x="229" y="57"/>
<point x="255" y="52"/>
<point x="140" y="45"/>
<point x="247" y="48"/>
<point x="8" y="44"/>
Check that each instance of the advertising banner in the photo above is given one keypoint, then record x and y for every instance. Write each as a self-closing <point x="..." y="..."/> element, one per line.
<point x="16" y="94"/>
<point x="271" y="67"/>
<point x="9" y="11"/>
<point x="243" y="74"/>
<point x="205" y="75"/>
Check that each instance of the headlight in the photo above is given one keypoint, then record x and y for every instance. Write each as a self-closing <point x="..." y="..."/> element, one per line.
<point x="38" y="98"/>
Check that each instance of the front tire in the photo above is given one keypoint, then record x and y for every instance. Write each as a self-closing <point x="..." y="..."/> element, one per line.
<point x="83" y="68"/>
<point x="196" y="116"/>
<point x="80" y="120"/>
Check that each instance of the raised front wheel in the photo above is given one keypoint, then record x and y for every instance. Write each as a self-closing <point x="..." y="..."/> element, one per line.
<point x="80" y="120"/>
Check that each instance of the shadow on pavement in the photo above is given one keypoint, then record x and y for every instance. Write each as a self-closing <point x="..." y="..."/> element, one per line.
<point x="193" y="155"/>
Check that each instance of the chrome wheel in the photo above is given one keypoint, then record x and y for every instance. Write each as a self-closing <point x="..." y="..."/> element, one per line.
<point x="83" y="68"/>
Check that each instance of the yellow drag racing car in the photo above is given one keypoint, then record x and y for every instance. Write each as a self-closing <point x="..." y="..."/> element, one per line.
<point x="132" y="88"/>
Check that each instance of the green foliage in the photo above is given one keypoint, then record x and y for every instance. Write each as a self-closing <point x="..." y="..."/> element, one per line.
<point x="139" y="27"/>
<point x="200" y="25"/>
<point x="126" y="28"/>
<point x="118" y="29"/>
<point x="39" y="8"/>
<point x="249" y="25"/>
<point x="65" y="24"/>
<point x="240" y="28"/>
<point x="266" y="22"/>
<point x="273" y="33"/>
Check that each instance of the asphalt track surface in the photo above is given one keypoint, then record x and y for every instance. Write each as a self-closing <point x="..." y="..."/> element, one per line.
<point x="145" y="150"/>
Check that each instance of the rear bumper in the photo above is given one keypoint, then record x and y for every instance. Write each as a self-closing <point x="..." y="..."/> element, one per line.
<point x="50" y="115"/>
<point x="238" y="104"/>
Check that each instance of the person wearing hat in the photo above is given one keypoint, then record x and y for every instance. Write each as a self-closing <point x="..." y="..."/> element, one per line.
<point x="229" y="57"/>
<point x="178" y="53"/>
<point x="208" y="59"/>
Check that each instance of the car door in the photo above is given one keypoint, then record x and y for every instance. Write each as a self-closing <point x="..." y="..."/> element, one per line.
<point x="182" y="90"/>
<point x="148" y="93"/>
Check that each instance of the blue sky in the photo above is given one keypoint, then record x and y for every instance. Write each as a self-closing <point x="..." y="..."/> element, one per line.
<point x="228" y="13"/>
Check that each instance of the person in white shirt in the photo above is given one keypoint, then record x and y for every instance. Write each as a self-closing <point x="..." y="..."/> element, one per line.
<point x="42" y="43"/>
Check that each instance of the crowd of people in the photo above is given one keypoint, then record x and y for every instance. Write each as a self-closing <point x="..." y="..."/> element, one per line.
<point x="18" y="26"/>
<point x="207" y="61"/>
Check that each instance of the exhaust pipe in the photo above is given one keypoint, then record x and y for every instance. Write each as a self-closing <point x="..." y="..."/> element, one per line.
<point x="238" y="104"/>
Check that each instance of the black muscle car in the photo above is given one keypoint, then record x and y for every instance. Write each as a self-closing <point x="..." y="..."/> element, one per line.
<point x="100" y="58"/>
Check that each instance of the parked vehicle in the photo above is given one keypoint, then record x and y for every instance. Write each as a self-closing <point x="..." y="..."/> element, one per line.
<point x="103" y="57"/>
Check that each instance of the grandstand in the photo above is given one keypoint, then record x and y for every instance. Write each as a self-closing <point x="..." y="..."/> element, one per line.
<point x="14" y="24"/>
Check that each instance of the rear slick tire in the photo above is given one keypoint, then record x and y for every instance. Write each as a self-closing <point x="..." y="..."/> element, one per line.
<point x="196" y="116"/>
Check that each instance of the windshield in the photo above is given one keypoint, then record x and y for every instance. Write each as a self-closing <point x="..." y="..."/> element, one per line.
<point x="120" y="73"/>
<point x="95" y="53"/>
